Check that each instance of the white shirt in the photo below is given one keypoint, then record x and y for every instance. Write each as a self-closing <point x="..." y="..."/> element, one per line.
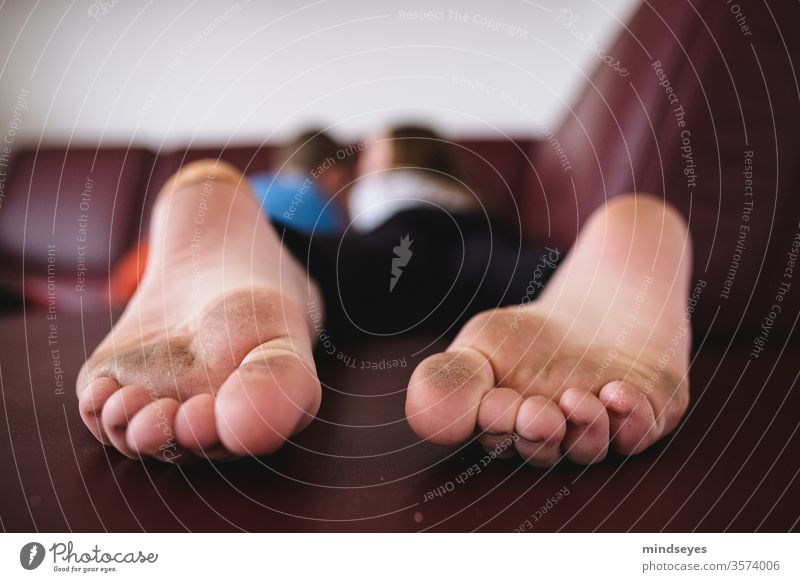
<point x="376" y="198"/>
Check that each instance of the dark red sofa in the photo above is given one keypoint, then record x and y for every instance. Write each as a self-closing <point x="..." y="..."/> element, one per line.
<point x="732" y="465"/>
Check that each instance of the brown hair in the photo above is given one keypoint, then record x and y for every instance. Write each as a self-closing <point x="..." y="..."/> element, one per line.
<point x="311" y="149"/>
<point x="419" y="147"/>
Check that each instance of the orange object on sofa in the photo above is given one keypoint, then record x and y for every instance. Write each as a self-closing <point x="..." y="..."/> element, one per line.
<point x="126" y="275"/>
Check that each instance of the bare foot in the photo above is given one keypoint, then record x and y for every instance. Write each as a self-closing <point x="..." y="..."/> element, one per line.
<point x="213" y="355"/>
<point x="600" y="358"/>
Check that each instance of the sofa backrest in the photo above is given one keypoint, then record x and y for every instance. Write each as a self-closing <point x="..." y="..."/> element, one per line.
<point x="708" y="119"/>
<point x="70" y="212"/>
<point x="495" y="169"/>
<point x="71" y="209"/>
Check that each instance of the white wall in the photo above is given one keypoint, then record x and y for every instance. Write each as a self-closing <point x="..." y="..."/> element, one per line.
<point x="163" y="73"/>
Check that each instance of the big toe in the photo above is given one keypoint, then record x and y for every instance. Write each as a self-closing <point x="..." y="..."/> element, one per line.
<point x="264" y="402"/>
<point x="444" y="395"/>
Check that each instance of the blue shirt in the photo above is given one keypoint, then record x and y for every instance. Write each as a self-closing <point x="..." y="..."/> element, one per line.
<point x="295" y="200"/>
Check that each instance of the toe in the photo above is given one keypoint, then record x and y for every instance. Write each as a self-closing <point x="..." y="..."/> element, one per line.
<point x="151" y="432"/>
<point x="540" y="426"/>
<point x="497" y="416"/>
<point x="196" y="429"/>
<point x="91" y="403"/>
<point x="444" y="395"/>
<point x="195" y="424"/>
<point x="632" y="423"/>
<point x="586" y="439"/>
<point x="264" y="402"/>
<point x="118" y="412"/>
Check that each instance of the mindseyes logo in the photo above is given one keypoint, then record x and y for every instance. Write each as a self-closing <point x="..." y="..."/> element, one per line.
<point x="402" y="254"/>
<point x="31" y="555"/>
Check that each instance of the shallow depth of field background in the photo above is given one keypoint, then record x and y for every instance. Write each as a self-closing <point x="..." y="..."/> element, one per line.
<point x="214" y="72"/>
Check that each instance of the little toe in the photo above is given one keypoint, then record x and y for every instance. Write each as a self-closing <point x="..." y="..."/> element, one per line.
<point x="586" y="439"/>
<point x="540" y="426"/>
<point x="91" y="402"/>
<point x="118" y="413"/>
<point x="444" y="395"/>
<point x="632" y="423"/>
<point x="265" y="401"/>
<point x="151" y="432"/>
<point x="497" y="417"/>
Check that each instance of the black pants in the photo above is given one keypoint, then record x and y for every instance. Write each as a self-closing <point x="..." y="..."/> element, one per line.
<point x="421" y="270"/>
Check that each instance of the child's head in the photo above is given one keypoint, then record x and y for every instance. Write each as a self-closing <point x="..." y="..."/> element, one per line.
<point x="411" y="147"/>
<point x="316" y="153"/>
